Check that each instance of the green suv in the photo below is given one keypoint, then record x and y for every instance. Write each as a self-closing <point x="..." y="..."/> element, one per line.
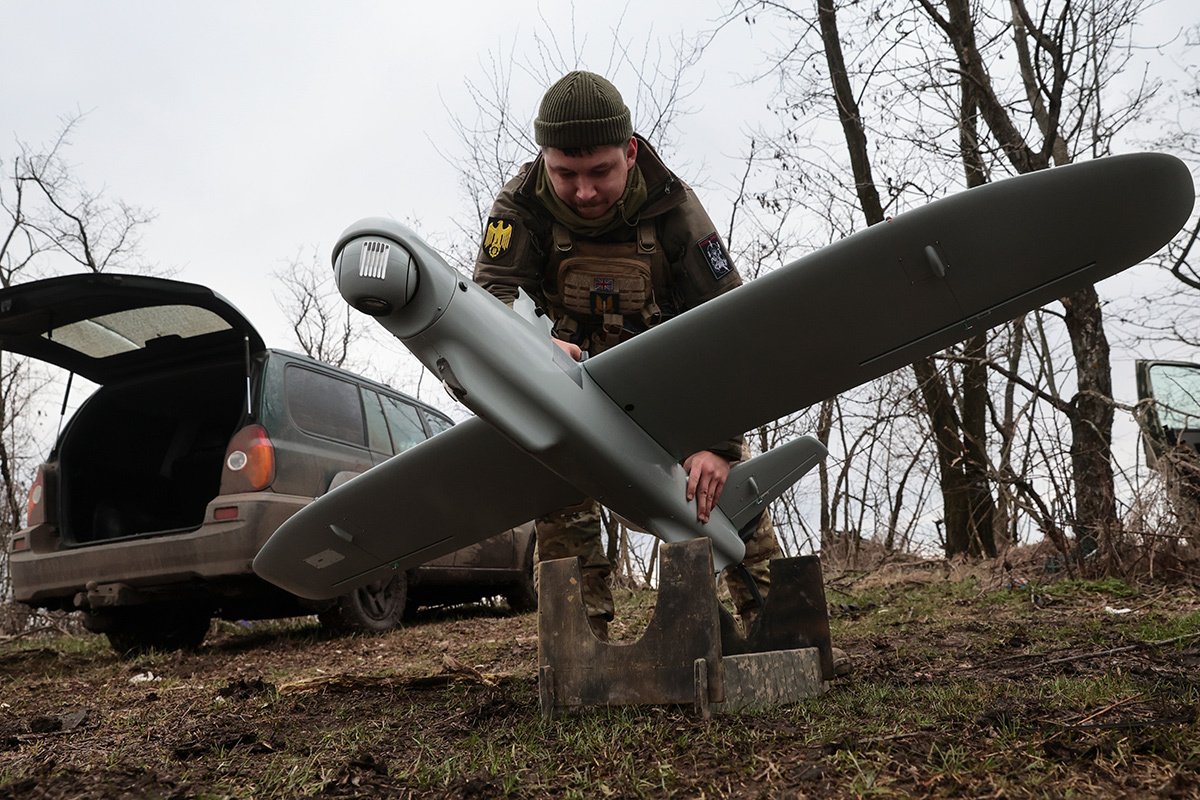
<point x="197" y="444"/>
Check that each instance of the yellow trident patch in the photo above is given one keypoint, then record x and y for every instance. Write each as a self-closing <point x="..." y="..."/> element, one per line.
<point x="497" y="237"/>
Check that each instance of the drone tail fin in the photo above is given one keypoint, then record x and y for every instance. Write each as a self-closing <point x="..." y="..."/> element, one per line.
<point x="754" y="484"/>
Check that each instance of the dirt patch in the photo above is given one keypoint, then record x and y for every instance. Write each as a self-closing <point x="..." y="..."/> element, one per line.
<point x="960" y="686"/>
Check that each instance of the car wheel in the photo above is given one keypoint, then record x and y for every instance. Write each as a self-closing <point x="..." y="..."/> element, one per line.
<point x="374" y="608"/>
<point x="137" y="630"/>
<point x="522" y="596"/>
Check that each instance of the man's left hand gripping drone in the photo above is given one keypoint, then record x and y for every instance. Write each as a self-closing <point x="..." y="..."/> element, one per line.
<point x="546" y="435"/>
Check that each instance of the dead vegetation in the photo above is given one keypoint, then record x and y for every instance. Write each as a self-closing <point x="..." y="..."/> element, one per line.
<point x="976" y="679"/>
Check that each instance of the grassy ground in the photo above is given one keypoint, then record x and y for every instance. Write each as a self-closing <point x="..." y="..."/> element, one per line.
<point x="976" y="686"/>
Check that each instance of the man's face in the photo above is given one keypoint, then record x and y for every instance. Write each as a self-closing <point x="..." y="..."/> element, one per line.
<point x="592" y="183"/>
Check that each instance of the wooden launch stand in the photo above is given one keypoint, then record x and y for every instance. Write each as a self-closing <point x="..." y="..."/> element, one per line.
<point x="692" y="651"/>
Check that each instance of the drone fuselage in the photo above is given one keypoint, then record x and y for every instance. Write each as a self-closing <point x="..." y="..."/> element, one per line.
<point x="505" y="368"/>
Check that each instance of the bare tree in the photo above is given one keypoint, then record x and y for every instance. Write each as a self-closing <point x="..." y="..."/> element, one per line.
<point x="933" y="93"/>
<point x="324" y="325"/>
<point x="55" y="222"/>
<point x="52" y="222"/>
<point x="1066" y="59"/>
<point x="967" y="502"/>
<point x="1178" y="133"/>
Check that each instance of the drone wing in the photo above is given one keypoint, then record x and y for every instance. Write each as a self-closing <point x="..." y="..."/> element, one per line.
<point x="459" y="487"/>
<point x="890" y="294"/>
<point x="848" y="313"/>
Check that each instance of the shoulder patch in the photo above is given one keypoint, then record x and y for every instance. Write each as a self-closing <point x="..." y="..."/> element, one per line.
<point x="715" y="255"/>
<point x="497" y="237"/>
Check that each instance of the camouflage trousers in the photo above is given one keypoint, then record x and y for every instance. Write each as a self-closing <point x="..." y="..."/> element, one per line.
<point x="577" y="532"/>
<point x="760" y="549"/>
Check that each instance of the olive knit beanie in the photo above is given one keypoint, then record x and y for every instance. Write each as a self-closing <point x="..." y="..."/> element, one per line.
<point x="580" y="111"/>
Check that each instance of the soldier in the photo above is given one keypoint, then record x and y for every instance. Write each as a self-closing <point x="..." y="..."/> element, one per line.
<point x="606" y="239"/>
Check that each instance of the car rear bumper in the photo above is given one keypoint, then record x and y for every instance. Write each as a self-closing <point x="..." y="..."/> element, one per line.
<point x="215" y="550"/>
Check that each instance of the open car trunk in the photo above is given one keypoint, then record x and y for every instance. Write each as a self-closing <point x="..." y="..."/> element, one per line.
<point x="145" y="457"/>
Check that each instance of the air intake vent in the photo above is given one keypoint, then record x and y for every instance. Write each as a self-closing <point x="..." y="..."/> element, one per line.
<point x="372" y="260"/>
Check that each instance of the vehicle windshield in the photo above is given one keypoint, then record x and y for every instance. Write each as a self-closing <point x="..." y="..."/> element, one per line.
<point x="1176" y="390"/>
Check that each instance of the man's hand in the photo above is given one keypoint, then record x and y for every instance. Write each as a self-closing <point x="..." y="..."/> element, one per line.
<point x="707" y="473"/>
<point x="570" y="349"/>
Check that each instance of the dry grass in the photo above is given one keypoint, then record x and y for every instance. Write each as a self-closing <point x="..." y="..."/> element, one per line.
<point x="970" y="679"/>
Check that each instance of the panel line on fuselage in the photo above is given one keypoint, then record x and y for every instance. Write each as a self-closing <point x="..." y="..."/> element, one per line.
<point x="966" y="323"/>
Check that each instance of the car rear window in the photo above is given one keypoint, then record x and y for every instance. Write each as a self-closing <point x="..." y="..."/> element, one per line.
<point x="325" y="406"/>
<point x="404" y="423"/>
<point x="120" y="332"/>
<point x="377" y="429"/>
<point x="437" y="424"/>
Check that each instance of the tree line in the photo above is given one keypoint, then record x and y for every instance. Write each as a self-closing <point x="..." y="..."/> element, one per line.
<point x="877" y="107"/>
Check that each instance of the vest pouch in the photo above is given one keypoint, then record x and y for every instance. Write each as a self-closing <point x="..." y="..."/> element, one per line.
<point x="601" y="293"/>
<point x="606" y="288"/>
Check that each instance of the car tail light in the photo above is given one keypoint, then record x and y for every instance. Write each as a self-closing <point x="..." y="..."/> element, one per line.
<point x="35" y="506"/>
<point x="249" y="461"/>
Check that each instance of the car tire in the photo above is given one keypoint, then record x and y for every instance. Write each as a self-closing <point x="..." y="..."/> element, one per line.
<point x="374" y="608"/>
<point x="140" y="629"/>
<point x="522" y="596"/>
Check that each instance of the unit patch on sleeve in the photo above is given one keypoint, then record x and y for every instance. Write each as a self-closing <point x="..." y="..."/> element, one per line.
<point x="715" y="256"/>
<point x="497" y="237"/>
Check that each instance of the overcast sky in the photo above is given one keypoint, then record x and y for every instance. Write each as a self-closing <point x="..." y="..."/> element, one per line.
<point x="257" y="131"/>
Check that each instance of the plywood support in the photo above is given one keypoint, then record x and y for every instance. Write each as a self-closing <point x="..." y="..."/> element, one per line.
<point x="679" y="659"/>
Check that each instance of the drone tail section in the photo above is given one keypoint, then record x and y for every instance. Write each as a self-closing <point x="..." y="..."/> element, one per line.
<point x="752" y="485"/>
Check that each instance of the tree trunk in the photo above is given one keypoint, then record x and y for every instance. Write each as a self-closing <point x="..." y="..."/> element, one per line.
<point x="824" y="426"/>
<point x="1091" y="423"/>
<point x="981" y="511"/>
<point x="966" y="495"/>
<point x="1091" y="417"/>
<point x="964" y="507"/>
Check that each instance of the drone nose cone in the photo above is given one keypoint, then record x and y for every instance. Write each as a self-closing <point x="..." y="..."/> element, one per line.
<point x="375" y="275"/>
<point x="386" y="271"/>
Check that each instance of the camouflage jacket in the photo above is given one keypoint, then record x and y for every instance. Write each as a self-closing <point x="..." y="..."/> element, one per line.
<point x="687" y="235"/>
<point x="698" y="262"/>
